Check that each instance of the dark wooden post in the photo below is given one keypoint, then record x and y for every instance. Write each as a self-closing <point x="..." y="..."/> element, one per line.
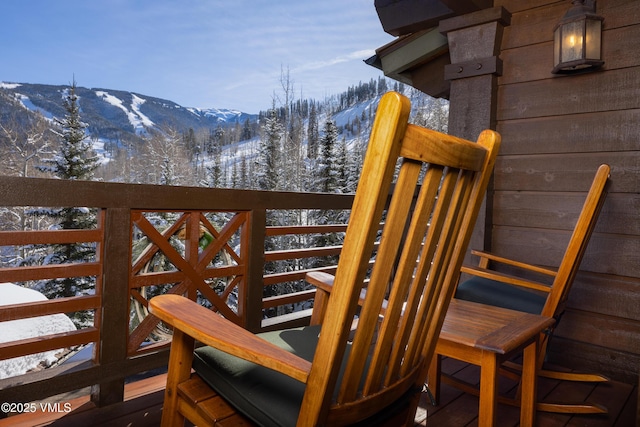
<point x="114" y="319"/>
<point x="474" y="45"/>
<point x="250" y="298"/>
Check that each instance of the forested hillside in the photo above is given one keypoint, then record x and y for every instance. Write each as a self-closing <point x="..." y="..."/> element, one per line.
<point x="143" y="139"/>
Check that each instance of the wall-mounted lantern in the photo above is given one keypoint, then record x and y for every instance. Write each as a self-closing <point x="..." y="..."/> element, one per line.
<point x="577" y="39"/>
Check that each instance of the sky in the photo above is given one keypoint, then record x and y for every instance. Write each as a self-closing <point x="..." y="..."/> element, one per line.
<point x="197" y="53"/>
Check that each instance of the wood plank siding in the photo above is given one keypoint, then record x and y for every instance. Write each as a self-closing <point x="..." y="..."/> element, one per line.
<point x="556" y="130"/>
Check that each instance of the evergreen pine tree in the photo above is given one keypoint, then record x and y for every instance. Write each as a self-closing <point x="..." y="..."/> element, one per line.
<point x="355" y="159"/>
<point x="214" y="170"/>
<point x="76" y="160"/>
<point x="327" y="182"/>
<point x="244" y="177"/>
<point x="312" y="133"/>
<point x="327" y="174"/>
<point x="190" y="144"/>
<point x="235" y="181"/>
<point x="269" y="148"/>
<point x="341" y="167"/>
<point x="246" y="130"/>
<point x="267" y="177"/>
<point x="292" y="151"/>
<point x="382" y="86"/>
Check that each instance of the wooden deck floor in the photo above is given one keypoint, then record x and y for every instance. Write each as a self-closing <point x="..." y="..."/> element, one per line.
<point x="143" y="406"/>
<point x="457" y="409"/>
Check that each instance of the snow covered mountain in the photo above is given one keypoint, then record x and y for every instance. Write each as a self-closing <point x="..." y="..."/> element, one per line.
<point x="115" y="114"/>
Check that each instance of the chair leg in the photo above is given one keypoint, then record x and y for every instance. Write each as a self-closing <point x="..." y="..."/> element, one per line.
<point x="488" y="390"/>
<point x="410" y="417"/>
<point x="180" y="360"/>
<point x="528" y="386"/>
<point x="434" y="379"/>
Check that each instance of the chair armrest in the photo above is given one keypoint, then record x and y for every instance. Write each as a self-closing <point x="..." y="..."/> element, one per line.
<point x="324" y="281"/>
<point x="505" y="278"/>
<point x="495" y="258"/>
<point x="324" y="285"/>
<point x="213" y="330"/>
<point x="320" y="280"/>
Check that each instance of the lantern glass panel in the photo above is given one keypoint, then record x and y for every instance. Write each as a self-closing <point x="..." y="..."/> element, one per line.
<point x="572" y="41"/>
<point x="594" y="29"/>
<point x="556" y="46"/>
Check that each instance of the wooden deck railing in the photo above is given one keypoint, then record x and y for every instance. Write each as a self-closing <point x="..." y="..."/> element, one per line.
<point x="208" y="244"/>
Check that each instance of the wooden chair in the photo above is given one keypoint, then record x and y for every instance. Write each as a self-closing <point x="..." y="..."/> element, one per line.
<point x="491" y="287"/>
<point x="327" y="373"/>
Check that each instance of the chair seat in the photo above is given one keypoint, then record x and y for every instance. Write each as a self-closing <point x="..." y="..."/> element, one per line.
<point x="267" y="397"/>
<point x="491" y="292"/>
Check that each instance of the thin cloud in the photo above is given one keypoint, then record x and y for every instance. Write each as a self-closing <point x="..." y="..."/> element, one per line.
<point x="316" y="65"/>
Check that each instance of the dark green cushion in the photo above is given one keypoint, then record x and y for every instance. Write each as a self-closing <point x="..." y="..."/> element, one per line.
<point x="267" y="397"/>
<point x="486" y="291"/>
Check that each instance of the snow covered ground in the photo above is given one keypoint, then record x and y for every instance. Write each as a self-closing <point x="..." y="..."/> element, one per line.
<point x="28" y="328"/>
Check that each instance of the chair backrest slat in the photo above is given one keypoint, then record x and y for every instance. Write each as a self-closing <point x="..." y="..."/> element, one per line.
<point x="417" y="261"/>
<point x="578" y="243"/>
<point x="378" y="285"/>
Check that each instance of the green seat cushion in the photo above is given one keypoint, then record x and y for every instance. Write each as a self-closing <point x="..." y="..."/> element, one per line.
<point x="491" y="292"/>
<point x="263" y="395"/>
<point x="267" y="397"/>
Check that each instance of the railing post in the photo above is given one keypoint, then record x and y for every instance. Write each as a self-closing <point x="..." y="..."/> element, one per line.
<point x="250" y="298"/>
<point x="113" y="321"/>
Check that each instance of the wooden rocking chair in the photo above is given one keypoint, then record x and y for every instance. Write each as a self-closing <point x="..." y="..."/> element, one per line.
<point x="508" y="291"/>
<point x="327" y="374"/>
